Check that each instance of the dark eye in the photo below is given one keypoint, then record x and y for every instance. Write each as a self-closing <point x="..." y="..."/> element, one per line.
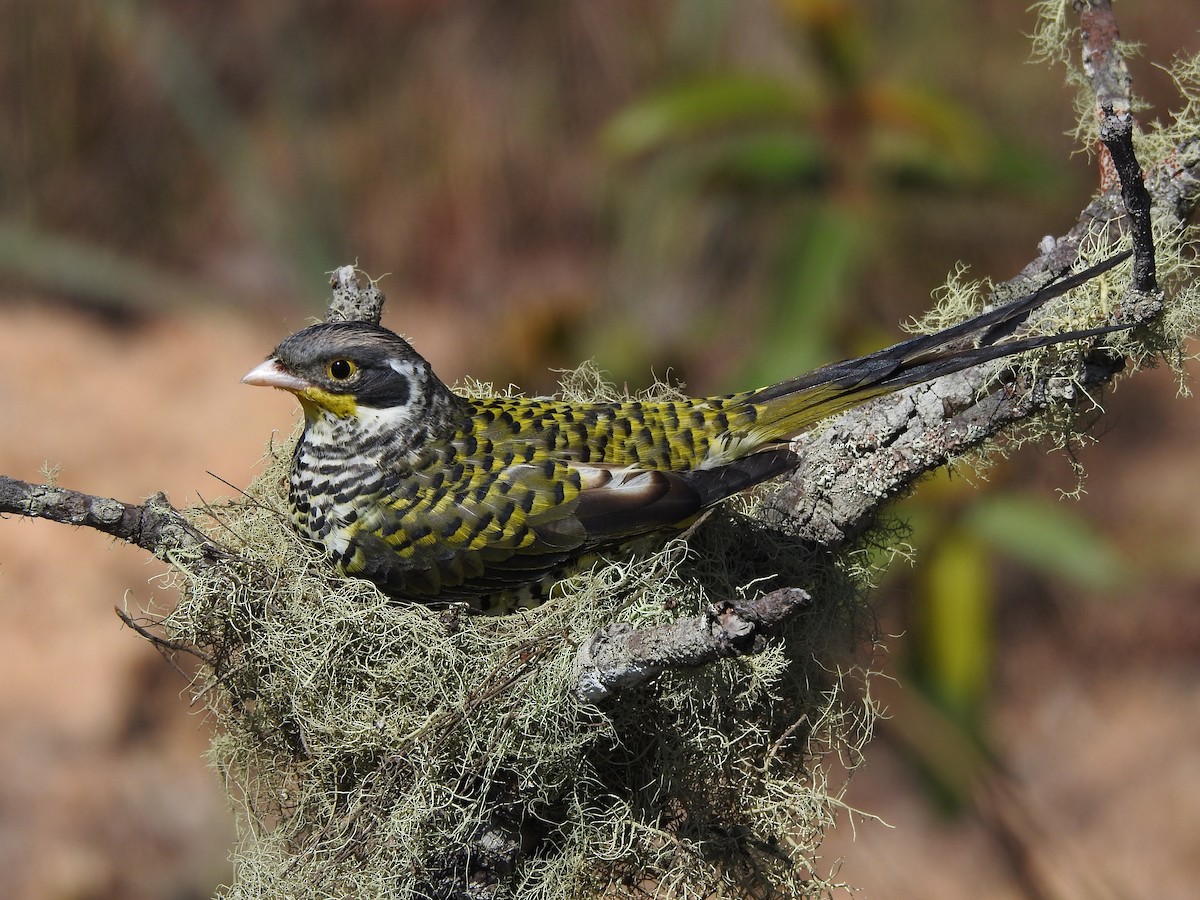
<point x="341" y="369"/>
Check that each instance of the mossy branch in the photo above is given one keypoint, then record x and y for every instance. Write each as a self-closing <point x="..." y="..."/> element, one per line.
<point x="155" y="525"/>
<point x="621" y="656"/>
<point x="868" y="455"/>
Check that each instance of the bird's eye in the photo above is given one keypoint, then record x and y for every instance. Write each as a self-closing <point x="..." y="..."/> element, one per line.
<point x="341" y="369"/>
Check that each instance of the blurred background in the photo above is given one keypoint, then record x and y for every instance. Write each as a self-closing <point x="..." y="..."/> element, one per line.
<point x="719" y="193"/>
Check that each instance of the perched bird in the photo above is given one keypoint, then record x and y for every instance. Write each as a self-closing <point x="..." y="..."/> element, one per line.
<point x="435" y="496"/>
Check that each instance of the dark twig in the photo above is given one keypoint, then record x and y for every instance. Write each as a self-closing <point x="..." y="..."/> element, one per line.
<point x="168" y="648"/>
<point x="1106" y="71"/>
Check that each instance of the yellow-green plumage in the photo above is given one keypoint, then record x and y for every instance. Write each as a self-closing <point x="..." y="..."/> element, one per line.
<point x="493" y="506"/>
<point x="438" y="497"/>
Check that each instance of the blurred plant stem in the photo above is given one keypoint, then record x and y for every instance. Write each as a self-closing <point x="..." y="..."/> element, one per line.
<point x="287" y="225"/>
<point x="964" y="535"/>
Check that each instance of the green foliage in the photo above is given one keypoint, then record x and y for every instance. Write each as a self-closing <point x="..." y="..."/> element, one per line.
<point x="697" y="107"/>
<point x="954" y="609"/>
<point x="785" y="184"/>
<point x="1047" y="536"/>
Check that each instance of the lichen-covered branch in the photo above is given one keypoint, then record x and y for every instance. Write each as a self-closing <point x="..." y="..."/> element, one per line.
<point x="155" y="526"/>
<point x="1111" y="84"/>
<point x="621" y="656"/>
<point x="877" y="451"/>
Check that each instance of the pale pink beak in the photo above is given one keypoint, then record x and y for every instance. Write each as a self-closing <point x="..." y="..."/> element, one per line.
<point x="271" y="374"/>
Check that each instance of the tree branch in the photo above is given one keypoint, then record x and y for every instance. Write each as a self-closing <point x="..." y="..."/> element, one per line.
<point x="851" y="468"/>
<point x="155" y="526"/>
<point x="621" y="656"/>
<point x="1112" y="85"/>
<point x="874" y="452"/>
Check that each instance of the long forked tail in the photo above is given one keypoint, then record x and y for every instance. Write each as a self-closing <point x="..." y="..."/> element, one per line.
<point x="787" y="408"/>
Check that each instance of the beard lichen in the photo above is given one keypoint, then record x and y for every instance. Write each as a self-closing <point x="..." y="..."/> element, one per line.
<point x="392" y="749"/>
<point x="389" y="749"/>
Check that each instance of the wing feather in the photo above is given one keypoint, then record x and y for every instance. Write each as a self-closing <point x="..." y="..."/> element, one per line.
<point x="506" y="505"/>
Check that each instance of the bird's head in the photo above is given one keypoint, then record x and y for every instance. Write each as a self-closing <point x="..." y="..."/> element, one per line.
<point x="344" y="368"/>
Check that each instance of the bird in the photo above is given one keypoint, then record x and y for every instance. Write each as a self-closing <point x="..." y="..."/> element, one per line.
<point x="435" y="496"/>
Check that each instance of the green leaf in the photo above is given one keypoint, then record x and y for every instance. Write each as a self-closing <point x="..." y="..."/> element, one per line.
<point x="955" y="606"/>
<point x="929" y="127"/>
<point x="768" y="160"/>
<point x="713" y="102"/>
<point x="1049" y="536"/>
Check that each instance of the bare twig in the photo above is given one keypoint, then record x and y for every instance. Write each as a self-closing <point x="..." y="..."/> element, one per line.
<point x="167" y="647"/>
<point x="155" y="526"/>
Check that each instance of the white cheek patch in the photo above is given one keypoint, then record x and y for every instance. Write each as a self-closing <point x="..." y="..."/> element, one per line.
<point x="405" y="369"/>
<point x="376" y="421"/>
